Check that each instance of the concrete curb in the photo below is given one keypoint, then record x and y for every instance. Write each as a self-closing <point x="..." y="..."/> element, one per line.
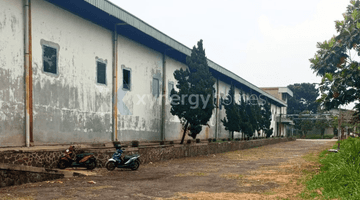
<point x="66" y="174"/>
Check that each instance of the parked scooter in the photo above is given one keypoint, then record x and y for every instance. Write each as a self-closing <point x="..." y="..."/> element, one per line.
<point x="71" y="159"/>
<point x="118" y="161"/>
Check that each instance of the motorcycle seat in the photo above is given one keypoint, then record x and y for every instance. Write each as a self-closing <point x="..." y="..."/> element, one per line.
<point x="127" y="157"/>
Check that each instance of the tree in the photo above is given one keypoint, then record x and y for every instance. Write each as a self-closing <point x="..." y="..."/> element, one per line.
<point x="248" y="122"/>
<point x="256" y="113"/>
<point x="306" y="124"/>
<point x="334" y="62"/>
<point x="266" y="119"/>
<point x="322" y="124"/>
<point x="304" y="98"/>
<point x="193" y="102"/>
<point x="233" y="118"/>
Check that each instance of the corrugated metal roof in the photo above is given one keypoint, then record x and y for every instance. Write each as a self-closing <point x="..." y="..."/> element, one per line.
<point x="130" y="19"/>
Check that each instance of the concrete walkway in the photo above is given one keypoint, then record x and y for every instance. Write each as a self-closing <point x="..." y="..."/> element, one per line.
<point x="318" y="140"/>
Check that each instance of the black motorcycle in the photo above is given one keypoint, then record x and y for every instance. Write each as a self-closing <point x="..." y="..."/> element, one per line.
<point x="118" y="161"/>
<point x="70" y="158"/>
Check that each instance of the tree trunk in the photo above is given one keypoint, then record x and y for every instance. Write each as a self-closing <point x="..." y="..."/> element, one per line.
<point x="232" y="134"/>
<point x="183" y="137"/>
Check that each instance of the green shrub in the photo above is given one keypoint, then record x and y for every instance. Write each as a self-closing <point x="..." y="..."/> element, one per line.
<point x="316" y="136"/>
<point x="339" y="174"/>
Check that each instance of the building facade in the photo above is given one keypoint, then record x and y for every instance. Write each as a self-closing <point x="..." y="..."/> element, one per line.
<point x="86" y="71"/>
<point x="280" y="119"/>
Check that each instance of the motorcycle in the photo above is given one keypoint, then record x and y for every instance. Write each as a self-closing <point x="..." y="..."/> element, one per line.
<point x="131" y="161"/>
<point x="70" y="158"/>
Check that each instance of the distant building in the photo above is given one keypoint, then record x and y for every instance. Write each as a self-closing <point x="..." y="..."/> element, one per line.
<point x="281" y="120"/>
<point x="347" y="117"/>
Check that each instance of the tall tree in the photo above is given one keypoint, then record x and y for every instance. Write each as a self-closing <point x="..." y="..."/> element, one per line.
<point x="193" y="102"/>
<point x="304" y="98"/>
<point x="266" y="119"/>
<point x="305" y="123"/>
<point x="256" y="113"/>
<point x="233" y="115"/>
<point x="336" y="62"/>
<point x="322" y="124"/>
<point x="248" y="121"/>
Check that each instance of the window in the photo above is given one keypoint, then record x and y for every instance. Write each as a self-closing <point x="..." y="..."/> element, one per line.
<point x="50" y="59"/>
<point x="155" y="88"/>
<point x="171" y="87"/>
<point x="101" y="72"/>
<point x="126" y="79"/>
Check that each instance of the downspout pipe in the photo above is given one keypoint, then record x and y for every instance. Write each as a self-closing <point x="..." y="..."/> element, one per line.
<point x="163" y="100"/>
<point x="217" y="110"/>
<point x="115" y="72"/>
<point x="115" y="83"/>
<point x="28" y="75"/>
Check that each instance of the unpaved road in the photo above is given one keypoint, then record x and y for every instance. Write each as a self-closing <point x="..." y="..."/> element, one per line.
<point x="268" y="172"/>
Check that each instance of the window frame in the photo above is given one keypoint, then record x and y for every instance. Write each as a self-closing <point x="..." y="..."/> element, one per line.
<point x="130" y="79"/>
<point x="55" y="46"/>
<point x="99" y="60"/>
<point x="173" y="87"/>
<point x="158" y="90"/>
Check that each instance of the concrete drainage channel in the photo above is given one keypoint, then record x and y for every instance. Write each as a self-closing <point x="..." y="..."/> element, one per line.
<point x="19" y="174"/>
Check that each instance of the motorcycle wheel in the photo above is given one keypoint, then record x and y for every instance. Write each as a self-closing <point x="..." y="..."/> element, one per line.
<point x="110" y="166"/>
<point x="91" y="165"/>
<point x="135" y="165"/>
<point x="62" y="164"/>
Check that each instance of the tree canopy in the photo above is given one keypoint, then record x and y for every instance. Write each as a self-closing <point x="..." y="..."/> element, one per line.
<point x="306" y="124"/>
<point x="246" y="116"/>
<point x="304" y="98"/>
<point x="335" y="61"/>
<point x="193" y="102"/>
<point x="233" y="119"/>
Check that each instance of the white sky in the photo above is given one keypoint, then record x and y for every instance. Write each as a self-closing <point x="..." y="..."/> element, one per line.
<point x="266" y="42"/>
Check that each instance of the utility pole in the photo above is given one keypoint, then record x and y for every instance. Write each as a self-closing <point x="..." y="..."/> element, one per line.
<point x="339" y="128"/>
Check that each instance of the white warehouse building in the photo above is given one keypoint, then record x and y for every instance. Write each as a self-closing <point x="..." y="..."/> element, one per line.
<point x="87" y="71"/>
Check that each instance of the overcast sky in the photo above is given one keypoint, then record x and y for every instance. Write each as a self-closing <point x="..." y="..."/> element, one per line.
<point x="266" y="42"/>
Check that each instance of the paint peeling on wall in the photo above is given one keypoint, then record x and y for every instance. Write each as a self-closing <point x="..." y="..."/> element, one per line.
<point x="11" y="74"/>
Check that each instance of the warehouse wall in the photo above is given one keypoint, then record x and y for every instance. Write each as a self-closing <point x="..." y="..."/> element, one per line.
<point x="70" y="106"/>
<point x="12" y="89"/>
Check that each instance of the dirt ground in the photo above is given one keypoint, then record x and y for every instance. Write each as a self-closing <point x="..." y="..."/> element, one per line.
<point x="268" y="172"/>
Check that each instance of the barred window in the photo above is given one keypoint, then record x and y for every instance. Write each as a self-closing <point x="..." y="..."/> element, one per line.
<point x="126" y="79"/>
<point x="50" y="59"/>
<point x="155" y="88"/>
<point x="101" y="72"/>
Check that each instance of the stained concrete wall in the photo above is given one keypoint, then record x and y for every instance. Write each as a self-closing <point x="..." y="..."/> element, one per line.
<point x="12" y="91"/>
<point x="70" y="106"/>
<point x="139" y="111"/>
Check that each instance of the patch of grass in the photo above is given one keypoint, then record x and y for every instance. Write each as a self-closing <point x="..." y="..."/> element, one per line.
<point x="340" y="172"/>
<point x="308" y="195"/>
<point x="269" y="193"/>
<point x="100" y="187"/>
<point x="314" y="136"/>
<point x="17" y="198"/>
<point x="193" y="174"/>
<point x="311" y="157"/>
<point x="232" y="176"/>
<point x="63" y="199"/>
